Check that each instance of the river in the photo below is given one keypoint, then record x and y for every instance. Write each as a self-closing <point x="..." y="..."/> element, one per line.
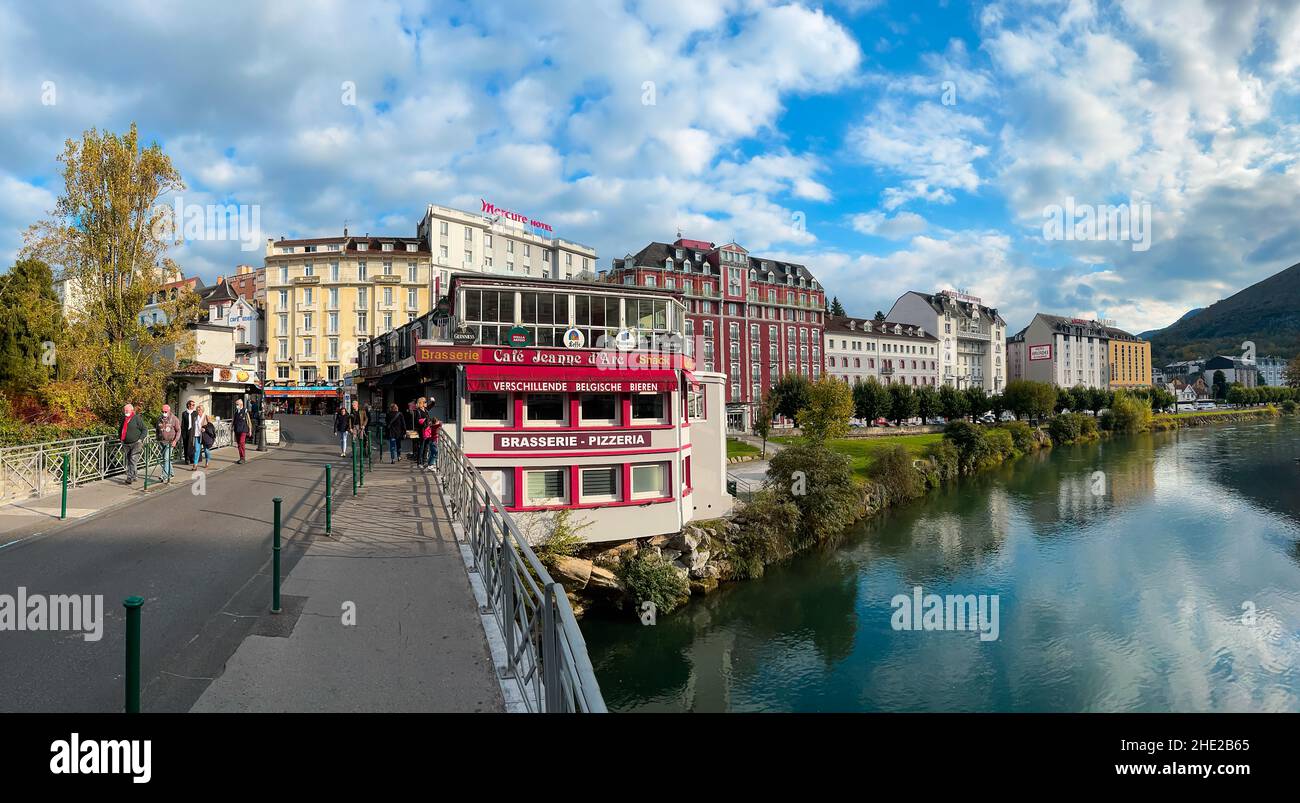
<point x="1169" y="581"/>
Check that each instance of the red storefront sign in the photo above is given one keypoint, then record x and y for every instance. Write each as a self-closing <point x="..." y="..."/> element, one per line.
<point x="635" y="438"/>
<point x="559" y="358"/>
<point x="519" y="379"/>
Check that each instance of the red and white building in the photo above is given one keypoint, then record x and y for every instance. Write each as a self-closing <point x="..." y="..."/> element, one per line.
<point x="751" y="318"/>
<point x="566" y="395"/>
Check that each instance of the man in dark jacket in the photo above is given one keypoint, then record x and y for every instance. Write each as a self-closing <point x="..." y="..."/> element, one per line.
<point x="131" y="434"/>
<point x="243" y="427"/>
<point x="187" y="431"/>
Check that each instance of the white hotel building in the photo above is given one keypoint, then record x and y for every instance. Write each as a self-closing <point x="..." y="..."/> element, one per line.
<point x="972" y="336"/>
<point x="892" y="353"/>
<point x="497" y="244"/>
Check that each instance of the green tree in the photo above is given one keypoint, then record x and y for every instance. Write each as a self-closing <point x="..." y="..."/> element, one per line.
<point x="829" y="408"/>
<point x="997" y="405"/>
<point x="1220" y="385"/>
<point x="870" y="400"/>
<point x="837" y="309"/>
<point x="1098" y="399"/>
<point x="1062" y="401"/>
<point x="927" y="402"/>
<point x="977" y="401"/>
<point x="108" y="238"/>
<point x="1080" y="398"/>
<point x="820" y="483"/>
<point x="1291" y="376"/>
<point x="1042" y="398"/>
<point x="902" y="402"/>
<point x="952" y="403"/>
<point x="30" y="317"/>
<point x="791" y="392"/>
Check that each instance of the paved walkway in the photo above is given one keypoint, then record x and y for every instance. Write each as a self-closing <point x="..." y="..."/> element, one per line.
<point x="38" y="515"/>
<point x="416" y="642"/>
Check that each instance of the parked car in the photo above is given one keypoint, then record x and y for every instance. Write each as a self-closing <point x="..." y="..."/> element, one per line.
<point x="987" y="418"/>
<point x="880" y="422"/>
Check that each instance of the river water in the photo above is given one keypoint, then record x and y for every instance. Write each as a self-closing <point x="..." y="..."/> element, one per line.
<point x="1169" y="581"/>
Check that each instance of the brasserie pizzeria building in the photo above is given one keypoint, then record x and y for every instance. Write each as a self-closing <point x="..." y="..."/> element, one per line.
<point x="566" y="394"/>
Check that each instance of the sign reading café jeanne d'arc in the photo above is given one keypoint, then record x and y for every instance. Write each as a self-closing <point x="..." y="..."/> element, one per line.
<point x="561" y="358"/>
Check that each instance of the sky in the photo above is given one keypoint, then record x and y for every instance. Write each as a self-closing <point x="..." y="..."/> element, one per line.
<point x="889" y="145"/>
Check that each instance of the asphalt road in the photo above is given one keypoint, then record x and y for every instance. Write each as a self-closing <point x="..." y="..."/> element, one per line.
<point x="201" y="562"/>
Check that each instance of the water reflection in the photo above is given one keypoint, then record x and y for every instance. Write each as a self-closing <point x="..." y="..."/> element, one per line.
<point x="1131" y="598"/>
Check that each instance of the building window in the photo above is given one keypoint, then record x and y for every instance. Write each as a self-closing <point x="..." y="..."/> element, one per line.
<point x="491" y="312"/>
<point x="545" y="486"/>
<point x="282" y="372"/>
<point x="600" y="484"/>
<point x="648" y="406"/>
<point x="494" y="407"/>
<point x="599" y="408"/>
<point x="546" y="408"/>
<point x="412" y="272"/>
<point x="361" y="270"/>
<point x="648" y="480"/>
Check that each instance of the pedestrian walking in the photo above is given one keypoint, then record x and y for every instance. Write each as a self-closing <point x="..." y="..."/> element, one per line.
<point x="360" y="419"/>
<point x="342" y="428"/>
<point x="187" y="432"/>
<point x="242" y="427"/>
<point x="132" y="434"/>
<point x="421" y="429"/>
<point x="394" y="430"/>
<point x="412" y="429"/>
<point x="255" y="413"/>
<point x="205" y="437"/>
<point x="169" y="435"/>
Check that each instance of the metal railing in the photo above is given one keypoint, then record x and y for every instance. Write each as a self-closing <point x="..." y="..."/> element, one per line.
<point x="545" y="652"/>
<point x="36" y="469"/>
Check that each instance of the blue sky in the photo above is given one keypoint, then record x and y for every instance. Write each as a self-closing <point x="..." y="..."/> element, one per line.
<point x="887" y="144"/>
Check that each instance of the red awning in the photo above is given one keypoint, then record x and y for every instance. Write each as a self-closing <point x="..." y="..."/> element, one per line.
<point x="534" y="379"/>
<point x="692" y="379"/>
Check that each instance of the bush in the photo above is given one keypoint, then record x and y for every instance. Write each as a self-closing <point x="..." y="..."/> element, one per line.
<point x="768" y="524"/>
<point x="819" y="482"/>
<point x="1106" y="420"/>
<point x="893" y="469"/>
<point x="946" y="461"/>
<point x="562" y="538"/>
<point x="1022" y="436"/>
<point x="1074" y="428"/>
<point x="1289" y="407"/>
<point x="647" y="577"/>
<point x="972" y="445"/>
<point x="1001" y="445"/>
<point x="1130" y="414"/>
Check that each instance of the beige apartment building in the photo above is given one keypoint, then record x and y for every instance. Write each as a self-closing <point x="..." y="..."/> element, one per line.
<point x="327" y="295"/>
<point x="498" y="241"/>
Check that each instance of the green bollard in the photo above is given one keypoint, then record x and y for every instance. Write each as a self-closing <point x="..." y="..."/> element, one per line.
<point x="328" y="499"/>
<point x="63" y="511"/>
<point x="275" y="560"/>
<point x="132" y="605"/>
<point x="354" y="472"/>
<point x="146" y="465"/>
<point x="361" y="466"/>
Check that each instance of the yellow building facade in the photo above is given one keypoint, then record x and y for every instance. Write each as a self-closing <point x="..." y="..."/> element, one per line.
<point x="327" y="295"/>
<point x="1130" y="362"/>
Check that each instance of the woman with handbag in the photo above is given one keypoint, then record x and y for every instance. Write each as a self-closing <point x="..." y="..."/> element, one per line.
<point x="394" y="430"/>
<point x="206" y="437"/>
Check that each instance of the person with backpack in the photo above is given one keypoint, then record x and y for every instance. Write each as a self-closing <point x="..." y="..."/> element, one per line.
<point x="169" y="436"/>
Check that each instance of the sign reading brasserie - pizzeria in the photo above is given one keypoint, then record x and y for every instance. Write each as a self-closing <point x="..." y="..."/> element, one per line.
<point x="572" y="440"/>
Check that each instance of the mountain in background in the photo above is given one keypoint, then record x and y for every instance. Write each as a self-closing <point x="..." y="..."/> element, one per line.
<point x="1267" y="313"/>
<point x="1148" y="334"/>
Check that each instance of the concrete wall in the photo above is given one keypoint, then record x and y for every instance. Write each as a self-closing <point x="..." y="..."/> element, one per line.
<point x="709" y="452"/>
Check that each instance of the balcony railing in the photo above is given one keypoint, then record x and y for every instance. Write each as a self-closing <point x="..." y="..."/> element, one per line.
<point x="546" y="655"/>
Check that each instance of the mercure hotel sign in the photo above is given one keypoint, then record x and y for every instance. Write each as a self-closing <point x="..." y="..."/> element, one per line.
<point x="492" y="209"/>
